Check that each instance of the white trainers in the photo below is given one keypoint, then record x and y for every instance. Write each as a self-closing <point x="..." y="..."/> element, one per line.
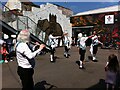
<point x="94" y="58"/>
<point x="11" y="60"/>
<point x="81" y="64"/>
<point x="6" y="61"/>
<point x="51" y="58"/>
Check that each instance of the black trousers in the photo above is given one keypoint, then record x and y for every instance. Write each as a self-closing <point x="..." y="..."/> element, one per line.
<point x="95" y="49"/>
<point x="82" y="54"/>
<point x="4" y="56"/>
<point x="26" y="76"/>
<point x="66" y="49"/>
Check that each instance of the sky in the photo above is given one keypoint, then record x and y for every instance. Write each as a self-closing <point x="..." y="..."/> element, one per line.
<point x="78" y="6"/>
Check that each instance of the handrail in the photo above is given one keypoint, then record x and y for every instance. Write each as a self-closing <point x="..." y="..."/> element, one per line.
<point x="18" y="19"/>
<point x="26" y="23"/>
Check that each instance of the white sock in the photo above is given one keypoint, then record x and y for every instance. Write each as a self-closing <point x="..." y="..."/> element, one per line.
<point x="94" y="58"/>
<point x="51" y="57"/>
<point x="81" y="63"/>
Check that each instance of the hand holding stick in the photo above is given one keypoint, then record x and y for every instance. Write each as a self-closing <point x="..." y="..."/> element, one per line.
<point x="42" y="46"/>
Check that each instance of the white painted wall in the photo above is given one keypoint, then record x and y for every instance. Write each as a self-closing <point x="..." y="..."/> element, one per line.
<point x="43" y="13"/>
<point x="13" y="4"/>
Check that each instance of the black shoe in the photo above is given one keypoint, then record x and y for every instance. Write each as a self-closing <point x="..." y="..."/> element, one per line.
<point x="82" y="67"/>
<point x="52" y="61"/>
<point x="95" y="60"/>
<point x="67" y="57"/>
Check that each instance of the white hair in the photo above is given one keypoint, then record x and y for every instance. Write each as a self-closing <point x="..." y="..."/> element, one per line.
<point x="23" y="36"/>
<point x="79" y="35"/>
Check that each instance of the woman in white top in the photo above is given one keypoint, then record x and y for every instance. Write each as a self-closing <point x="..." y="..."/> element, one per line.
<point x="25" y="59"/>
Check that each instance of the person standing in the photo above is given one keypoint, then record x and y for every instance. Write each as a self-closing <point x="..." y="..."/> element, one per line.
<point x="4" y="52"/>
<point x="94" y="46"/>
<point x="82" y="48"/>
<point x="111" y="68"/>
<point x="1" y="41"/>
<point x="25" y="59"/>
<point x="53" y="43"/>
<point x="66" y="45"/>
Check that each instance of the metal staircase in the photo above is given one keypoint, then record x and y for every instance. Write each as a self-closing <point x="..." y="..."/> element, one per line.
<point x="12" y="22"/>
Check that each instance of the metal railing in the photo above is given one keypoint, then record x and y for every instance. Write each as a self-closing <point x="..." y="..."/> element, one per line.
<point x="19" y="22"/>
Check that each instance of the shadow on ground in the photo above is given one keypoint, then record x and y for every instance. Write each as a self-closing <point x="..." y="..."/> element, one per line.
<point x="78" y="63"/>
<point x="99" y="86"/>
<point x="43" y="85"/>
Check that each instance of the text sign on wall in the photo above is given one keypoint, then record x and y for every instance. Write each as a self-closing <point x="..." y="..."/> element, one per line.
<point x="109" y="19"/>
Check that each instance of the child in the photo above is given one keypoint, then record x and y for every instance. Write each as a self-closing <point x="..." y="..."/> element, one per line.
<point x="111" y="68"/>
<point x="4" y="52"/>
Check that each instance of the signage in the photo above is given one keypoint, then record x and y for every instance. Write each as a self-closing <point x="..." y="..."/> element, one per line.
<point x="109" y="19"/>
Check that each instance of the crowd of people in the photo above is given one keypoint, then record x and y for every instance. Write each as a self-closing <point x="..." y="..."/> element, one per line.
<point x="25" y="55"/>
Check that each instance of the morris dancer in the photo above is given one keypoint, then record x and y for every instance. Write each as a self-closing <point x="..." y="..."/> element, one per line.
<point x="53" y="43"/>
<point x="66" y="45"/>
<point x="94" y="46"/>
<point x="82" y="48"/>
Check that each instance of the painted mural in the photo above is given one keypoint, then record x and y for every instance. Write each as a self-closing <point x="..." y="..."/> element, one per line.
<point x="107" y="32"/>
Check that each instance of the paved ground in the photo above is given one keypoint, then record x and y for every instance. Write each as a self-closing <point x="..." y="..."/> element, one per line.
<point x="64" y="73"/>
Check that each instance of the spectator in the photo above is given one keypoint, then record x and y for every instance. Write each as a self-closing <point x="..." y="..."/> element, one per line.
<point x="4" y="52"/>
<point x="111" y="68"/>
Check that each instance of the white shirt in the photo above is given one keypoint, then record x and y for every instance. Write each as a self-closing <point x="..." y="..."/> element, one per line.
<point x="25" y="57"/>
<point x="95" y="40"/>
<point x="1" y="41"/>
<point x="52" y="41"/>
<point x="81" y="42"/>
<point x="66" y="41"/>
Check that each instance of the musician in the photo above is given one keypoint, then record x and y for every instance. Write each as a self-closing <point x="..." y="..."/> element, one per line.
<point x="94" y="46"/>
<point x="53" y="43"/>
<point x="25" y="59"/>
<point x="66" y="45"/>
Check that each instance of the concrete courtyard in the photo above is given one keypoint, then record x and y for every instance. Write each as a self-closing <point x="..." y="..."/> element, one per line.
<point x="64" y="73"/>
